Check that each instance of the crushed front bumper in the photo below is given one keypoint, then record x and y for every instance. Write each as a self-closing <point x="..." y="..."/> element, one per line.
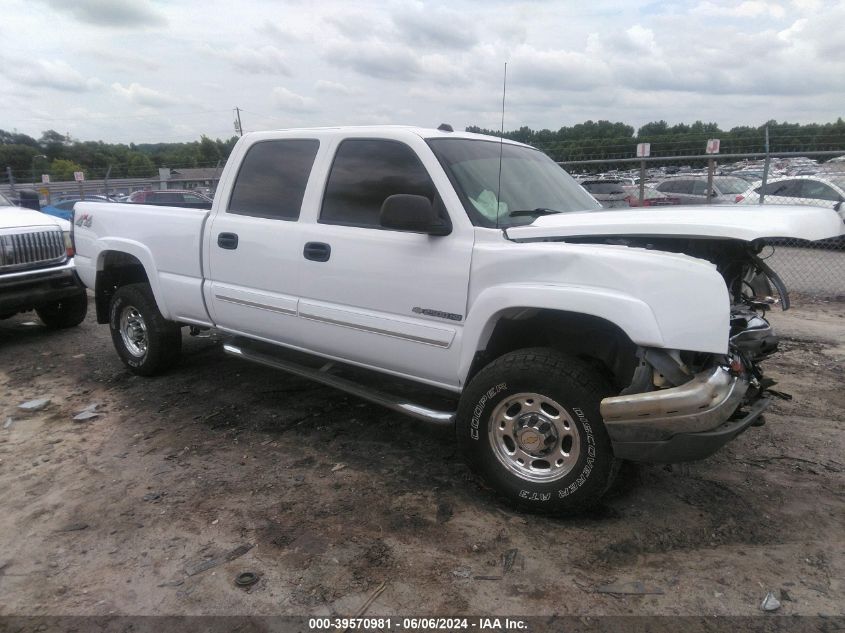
<point x="683" y="423"/>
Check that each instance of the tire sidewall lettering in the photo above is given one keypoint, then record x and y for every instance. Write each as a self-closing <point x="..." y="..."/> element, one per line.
<point x="478" y="410"/>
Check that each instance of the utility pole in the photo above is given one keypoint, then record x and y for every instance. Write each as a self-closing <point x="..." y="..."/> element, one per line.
<point x="11" y="179"/>
<point x="765" y="168"/>
<point x="238" y="127"/>
<point x="106" y="182"/>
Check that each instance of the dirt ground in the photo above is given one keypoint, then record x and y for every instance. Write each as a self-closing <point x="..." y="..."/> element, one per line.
<point x="130" y="512"/>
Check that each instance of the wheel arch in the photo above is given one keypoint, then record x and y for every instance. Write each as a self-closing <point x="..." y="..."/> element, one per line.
<point x="595" y="324"/>
<point x="118" y="266"/>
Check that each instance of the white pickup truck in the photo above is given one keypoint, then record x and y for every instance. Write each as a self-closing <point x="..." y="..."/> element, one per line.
<point x="562" y="338"/>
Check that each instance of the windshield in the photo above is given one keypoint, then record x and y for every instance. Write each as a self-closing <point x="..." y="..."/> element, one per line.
<point x="530" y="181"/>
<point x="4" y="201"/>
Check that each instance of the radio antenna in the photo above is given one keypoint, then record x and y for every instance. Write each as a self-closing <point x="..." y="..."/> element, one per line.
<point x="501" y="142"/>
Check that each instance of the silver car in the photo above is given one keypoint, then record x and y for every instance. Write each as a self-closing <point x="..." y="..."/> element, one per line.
<point x="693" y="189"/>
<point x="609" y="193"/>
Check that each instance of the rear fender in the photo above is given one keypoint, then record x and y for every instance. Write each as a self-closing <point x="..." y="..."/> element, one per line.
<point x="144" y="256"/>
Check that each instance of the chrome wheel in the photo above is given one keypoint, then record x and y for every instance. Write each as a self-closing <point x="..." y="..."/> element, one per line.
<point x="133" y="331"/>
<point x="534" y="437"/>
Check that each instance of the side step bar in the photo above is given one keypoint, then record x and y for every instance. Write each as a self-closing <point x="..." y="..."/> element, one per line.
<point x="432" y="416"/>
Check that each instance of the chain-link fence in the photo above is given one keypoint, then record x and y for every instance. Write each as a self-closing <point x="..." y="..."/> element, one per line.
<point x="743" y="181"/>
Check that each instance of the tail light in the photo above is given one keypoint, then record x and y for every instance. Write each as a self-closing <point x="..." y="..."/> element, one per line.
<point x="739" y="198"/>
<point x="68" y="243"/>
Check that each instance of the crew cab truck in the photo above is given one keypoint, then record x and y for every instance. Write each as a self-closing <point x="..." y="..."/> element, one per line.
<point x="36" y="268"/>
<point x="561" y="337"/>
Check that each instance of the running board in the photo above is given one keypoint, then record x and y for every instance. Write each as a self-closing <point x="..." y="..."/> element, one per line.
<point x="432" y="416"/>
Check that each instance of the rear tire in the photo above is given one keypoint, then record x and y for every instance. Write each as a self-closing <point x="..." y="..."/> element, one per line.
<point x="147" y="343"/>
<point x="64" y="313"/>
<point x="529" y="425"/>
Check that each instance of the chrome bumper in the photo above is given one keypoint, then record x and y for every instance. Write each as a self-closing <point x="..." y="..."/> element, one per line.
<point x="702" y="404"/>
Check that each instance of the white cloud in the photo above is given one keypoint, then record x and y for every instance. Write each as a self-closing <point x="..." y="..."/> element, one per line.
<point x="137" y="14"/>
<point x="807" y="5"/>
<point x="50" y="74"/>
<point x="289" y="100"/>
<point x="747" y="9"/>
<point x="143" y="96"/>
<point x="333" y="87"/>
<point x="267" y="60"/>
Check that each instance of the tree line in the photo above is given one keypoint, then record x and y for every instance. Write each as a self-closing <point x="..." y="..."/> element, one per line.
<point x="605" y="139"/>
<point x="60" y="156"/>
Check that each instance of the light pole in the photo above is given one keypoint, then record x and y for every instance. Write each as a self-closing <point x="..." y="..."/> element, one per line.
<point x="44" y="156"/>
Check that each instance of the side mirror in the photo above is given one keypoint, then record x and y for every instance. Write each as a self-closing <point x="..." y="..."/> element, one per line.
<point x="416" y="214"/>
<point x="838" y="206"/>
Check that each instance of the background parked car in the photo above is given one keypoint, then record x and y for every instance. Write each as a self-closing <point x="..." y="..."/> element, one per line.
<point x="693" y="189"/>
<point x="814" y="190"/>
<point x="64" y="208"/>
<point x="609" y="193"/>
<point x="651" y="197"/>
<point x="171" y="198"/>
<point x="750" y="176"/>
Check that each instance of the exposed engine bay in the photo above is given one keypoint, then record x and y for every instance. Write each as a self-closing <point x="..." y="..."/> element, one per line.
<point x="751" y="284"/>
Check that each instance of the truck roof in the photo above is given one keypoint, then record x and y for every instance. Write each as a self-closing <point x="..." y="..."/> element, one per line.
<point x="381" y="129"/>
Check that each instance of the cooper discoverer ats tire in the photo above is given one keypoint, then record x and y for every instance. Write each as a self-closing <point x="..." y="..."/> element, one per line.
<point x="529" y="424"/>
<point x="146" y="342"/>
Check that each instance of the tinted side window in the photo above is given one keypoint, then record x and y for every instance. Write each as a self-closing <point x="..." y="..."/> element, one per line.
<point x="682" y="186"/>
<point x="364" y="174"/>
<point x="818" y="190"/>
<point x="272" y="178"/>
<point x="699" y="188"/>
<point x="784" y="188"/>
<point x="667" y="186"/>
<point x="165" y="198"/>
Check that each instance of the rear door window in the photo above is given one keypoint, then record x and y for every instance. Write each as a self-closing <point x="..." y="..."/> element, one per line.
<point x="699" y="187"/>
<point x="272" y="179"/>
<point x="788" y="188"/>
<point x="818" y="190"/>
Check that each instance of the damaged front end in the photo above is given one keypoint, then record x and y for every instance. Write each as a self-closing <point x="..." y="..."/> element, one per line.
<point x="684" y="406"/>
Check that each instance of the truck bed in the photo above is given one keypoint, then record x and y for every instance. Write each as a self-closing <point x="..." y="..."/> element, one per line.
<point x="164" y="239"/>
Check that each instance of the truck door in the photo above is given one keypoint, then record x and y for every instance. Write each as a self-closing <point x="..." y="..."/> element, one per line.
<point x="390" y="299"/>
<point x="255" y="241"/>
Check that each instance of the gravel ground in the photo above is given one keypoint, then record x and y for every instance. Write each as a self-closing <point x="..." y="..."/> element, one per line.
<point x="184" y="481"/>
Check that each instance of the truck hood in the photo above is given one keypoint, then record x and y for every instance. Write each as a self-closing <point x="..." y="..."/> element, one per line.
<point x="20" y="217"/>
<point x="740" y="222"/>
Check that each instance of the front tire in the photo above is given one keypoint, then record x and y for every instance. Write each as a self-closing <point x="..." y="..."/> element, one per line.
<point x="529" y="425"/>
<point x="147" y="343"/>
<point x="65" y="313"/>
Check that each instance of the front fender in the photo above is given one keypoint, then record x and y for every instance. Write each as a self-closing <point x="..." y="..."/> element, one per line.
<point x="633" y="316"/>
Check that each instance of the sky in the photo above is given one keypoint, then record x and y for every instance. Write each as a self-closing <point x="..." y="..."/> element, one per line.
<point x="171" y="70"/>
